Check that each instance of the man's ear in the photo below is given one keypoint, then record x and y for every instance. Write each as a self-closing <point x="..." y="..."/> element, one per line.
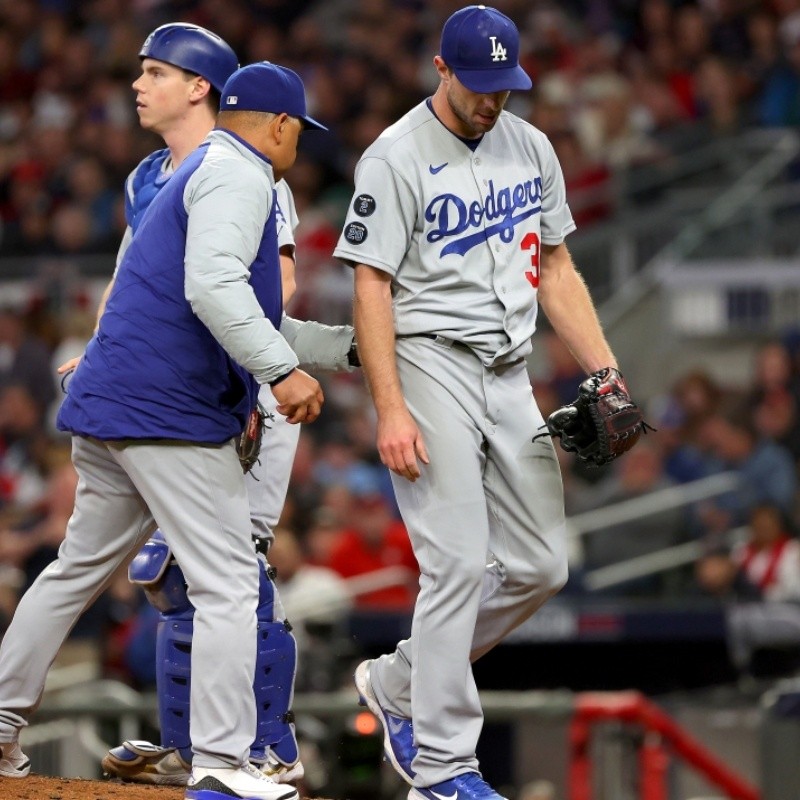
<point x="279" y="126"/>
<point x="200" y="88"/>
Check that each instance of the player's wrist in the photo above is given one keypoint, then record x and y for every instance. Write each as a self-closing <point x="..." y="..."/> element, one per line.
<point x="281" y="378"/>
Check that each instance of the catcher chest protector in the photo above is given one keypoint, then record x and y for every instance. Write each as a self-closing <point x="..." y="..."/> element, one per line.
<point x="276" y="658"/>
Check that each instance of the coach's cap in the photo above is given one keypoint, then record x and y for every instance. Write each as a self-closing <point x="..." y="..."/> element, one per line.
<point x="265" y="86"/>
<point x="481" y="46"/>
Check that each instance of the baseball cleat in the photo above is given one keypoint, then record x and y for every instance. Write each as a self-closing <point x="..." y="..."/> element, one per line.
<point x="137" y="761"/>
<point x="398" y="732"/>
<point x="282" y="773"/>
<point x="246" y="781"/>
<point x="13" y="762"/>
<point x="469" y="786"/>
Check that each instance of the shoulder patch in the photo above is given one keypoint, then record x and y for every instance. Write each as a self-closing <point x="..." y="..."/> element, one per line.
<point x="356" y="233"/>
<point x="364" y="205"/>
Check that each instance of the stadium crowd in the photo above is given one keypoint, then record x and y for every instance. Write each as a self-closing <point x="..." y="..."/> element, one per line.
<point x="617" y="84"/>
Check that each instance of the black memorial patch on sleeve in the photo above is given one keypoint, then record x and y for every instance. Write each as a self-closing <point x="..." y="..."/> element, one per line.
<point x="364" y="205"/>
<point x="356" y="233"/>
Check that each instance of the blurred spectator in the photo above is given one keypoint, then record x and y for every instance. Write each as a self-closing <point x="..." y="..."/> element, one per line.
<point x="24" y="360"/>
<point x="765" y="469"/>
<point x="588" y="182"/>
<point x="33" y="541"/>
<point x="679" y="418"/>
<point x="375" y="540"/>
<point x="719" y="107"/>
<point x="338" y="465"/>
<point x="23" y="451"/>
<point x="608" y="128"/>
<point x="639" y="473"/>
<point x="770" y="82"/>
<point x="309" y="592"/>
<point x="775" y="397"/>
<point x="326" y="526"/>
<point x="316" y="601"/>
<point x="760" y="580"/>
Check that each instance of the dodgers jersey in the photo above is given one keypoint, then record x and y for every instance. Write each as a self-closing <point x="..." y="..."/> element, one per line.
<point x="459" y="231"/>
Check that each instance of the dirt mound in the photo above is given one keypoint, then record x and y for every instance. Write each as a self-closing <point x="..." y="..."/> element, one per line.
<point x="36" y="787"/>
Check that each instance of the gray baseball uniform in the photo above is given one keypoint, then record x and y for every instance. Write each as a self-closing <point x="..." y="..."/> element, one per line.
<point x="459" y="230"/>
<point x="195" y="491"/>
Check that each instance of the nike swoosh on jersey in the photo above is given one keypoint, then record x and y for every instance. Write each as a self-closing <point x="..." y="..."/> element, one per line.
<point x="433" y="170"/>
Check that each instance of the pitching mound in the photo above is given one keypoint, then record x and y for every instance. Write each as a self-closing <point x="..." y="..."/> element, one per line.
<point x="36" y="787"/>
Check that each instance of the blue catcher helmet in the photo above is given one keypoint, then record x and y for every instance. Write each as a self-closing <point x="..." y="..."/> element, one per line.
<point x="194" y="49"/>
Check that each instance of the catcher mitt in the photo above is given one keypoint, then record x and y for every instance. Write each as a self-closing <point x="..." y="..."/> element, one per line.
<point x="248" y="447"/>
<point x="602" y="424"/>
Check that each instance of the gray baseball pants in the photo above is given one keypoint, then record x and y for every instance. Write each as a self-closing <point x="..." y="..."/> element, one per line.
<point x="196" y="496"/>
<point x="489" y="495"/>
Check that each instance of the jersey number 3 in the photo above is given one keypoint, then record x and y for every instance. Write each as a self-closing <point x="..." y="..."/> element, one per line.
<point x="531" y="242"/>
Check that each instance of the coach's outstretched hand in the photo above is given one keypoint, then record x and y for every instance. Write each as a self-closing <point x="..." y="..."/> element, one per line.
<point x="299" y="397"/>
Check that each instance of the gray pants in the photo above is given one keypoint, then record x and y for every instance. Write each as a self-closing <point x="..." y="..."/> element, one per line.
<point x="489" y="495"/>
<point x="196" y="495"/>
<point x="268" y="481"/>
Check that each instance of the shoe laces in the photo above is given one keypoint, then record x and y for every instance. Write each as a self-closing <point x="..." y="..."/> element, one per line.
<point x="254" y="772"/>
<point x="477" y="785"/>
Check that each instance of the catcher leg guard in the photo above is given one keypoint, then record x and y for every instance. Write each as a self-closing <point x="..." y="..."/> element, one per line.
<point x="143" y="762"/>
<point x="275" y="748"/>
<point x="158" y="573"/>
<point x="173" y="680"/>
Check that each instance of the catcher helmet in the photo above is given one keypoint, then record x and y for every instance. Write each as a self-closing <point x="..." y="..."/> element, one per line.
<point x="194" y="49"/>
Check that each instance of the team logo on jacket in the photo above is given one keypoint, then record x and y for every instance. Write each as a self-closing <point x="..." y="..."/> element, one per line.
<point x="356" y="233"/>
<point x="364" y="205"/>
<point x="498" y="214"/>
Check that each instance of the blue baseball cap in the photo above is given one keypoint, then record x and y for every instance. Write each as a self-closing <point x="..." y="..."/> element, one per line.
<point x="481" y="46"/>
<point x="265" y="86"/>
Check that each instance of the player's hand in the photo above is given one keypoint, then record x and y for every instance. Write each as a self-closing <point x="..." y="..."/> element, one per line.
<point x="69" y="365"/>
<point x="299" y="397"/>
<point x="400" y="444"/>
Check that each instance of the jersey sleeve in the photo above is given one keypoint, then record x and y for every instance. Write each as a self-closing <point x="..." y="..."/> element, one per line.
<point x="381" y="218"/>
<point x="286" y="218"/>
<point x="557" y="219"/>
<point x="129" y="195"/>
<point x="227" y="210"/>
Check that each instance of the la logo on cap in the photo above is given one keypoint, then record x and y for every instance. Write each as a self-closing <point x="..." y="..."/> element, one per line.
<point x="499" y="53"/>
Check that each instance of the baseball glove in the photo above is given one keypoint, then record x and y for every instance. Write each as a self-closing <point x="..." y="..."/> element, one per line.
<point x="248" y="447"/>
<point x="602" y="424"/>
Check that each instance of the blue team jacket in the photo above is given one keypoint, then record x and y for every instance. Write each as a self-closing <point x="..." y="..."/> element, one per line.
<point x="153" y="370"/>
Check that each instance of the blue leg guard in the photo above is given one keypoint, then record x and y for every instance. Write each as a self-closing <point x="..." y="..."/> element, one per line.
<point x="276" y="664"/>
<point x="173" y="679"/>
<point x="276" y="659"/>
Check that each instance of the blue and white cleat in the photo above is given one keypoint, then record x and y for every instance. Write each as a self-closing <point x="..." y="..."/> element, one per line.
<point x="246" y="783"/>
<point x="469" y="786"/>
<point x="398" y="732"/>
